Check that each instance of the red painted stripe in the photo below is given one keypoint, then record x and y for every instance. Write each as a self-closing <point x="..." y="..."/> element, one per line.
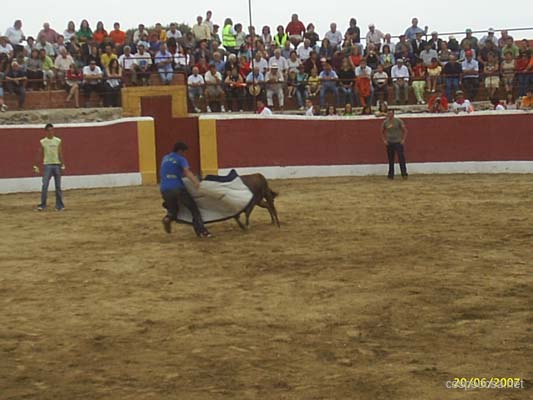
<point x="269" y="142"/>
<point x="87" y="150"/>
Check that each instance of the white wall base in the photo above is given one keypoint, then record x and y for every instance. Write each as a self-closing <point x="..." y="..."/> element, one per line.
<point x="315" y="171"/>
<point x="15" y="185"/>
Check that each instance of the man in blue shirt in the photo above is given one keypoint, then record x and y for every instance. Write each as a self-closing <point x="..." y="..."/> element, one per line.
<point x="174" y="167"/>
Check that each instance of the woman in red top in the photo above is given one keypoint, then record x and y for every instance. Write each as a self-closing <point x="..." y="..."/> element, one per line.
<point x="356" y="57"/>
<point x="244" y="66"/>
<point x="72" y="86"/>
<point x="100" y="33"/>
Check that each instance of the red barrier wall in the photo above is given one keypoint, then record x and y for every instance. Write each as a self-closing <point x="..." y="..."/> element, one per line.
<point x="89" y="150"/>
<point x="293" y="142"/>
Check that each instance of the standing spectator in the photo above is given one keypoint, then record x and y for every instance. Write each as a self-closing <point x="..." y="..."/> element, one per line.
<point x="84" y="36"/>
<point x="15" y="36"/>
<point x="311" y="35"/>
<point x="355" y="32"/>
<point x="195" y="88"/>
<point x="527" y="101"/>
<point x="302" y="88"/>
<point x="113" y="84"/>
<point x="503" y="38"/>
<point x="524" y="70"/>
<point x="363" y="83"/>
<point x="334" y="36"/>
<point x="92" y="80"/>
<point x="444" y="53"/>
<point x="328" y="83"/>
<point x="374" y="36"/>
<point x="483" y="57"/>
<point x="228" y="37"/>
<point x="174" y="167"/>
<point x="355" y="57"/>
<point x="402" y="44"/>
<point x="3" y="106"/>
<point x="208" y="22"/>
<point x="470" y="77"/>
<point x="100" y="34"/>
<point x="410" y="33"/>
<point x="394" y="133"/>
<point x="49" y="34"/>
<point x="346" y="82"/>
<point x="255" y="82"/>
<point x="30" y="45"/>
<point x="507" y="69"/>
<point x="16" y="83"/>
<point x="70" y="32"/>
<point x="50" y="153"/>
<point x="213" y="90"/>
<point x="381" y="85"/>
<point x="280" y="37"/>
<point x="143" y="65"/>
<point x="274" y="86"/>
<point x="461" y="104"/>
<point x="266" y="37"/>
<point x="174" y="32"/>
<point x="492" y="76"/>
<point x="201" y="30"/>
<point x="419" y="81"/>
<point x="296" y="30"/>
<point x="163" y="61"/>
<point x="72" y="85"/>
<point x="314" y="83"/>
<point x="400" y="80"/>
<point x="62" y="65"/>
<point x="452" y="76"/>
<point x="118" y="37"/>
<point x="470" y="39"/>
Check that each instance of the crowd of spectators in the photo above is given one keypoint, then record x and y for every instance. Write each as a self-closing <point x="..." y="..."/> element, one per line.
<point x="228" y="67"/>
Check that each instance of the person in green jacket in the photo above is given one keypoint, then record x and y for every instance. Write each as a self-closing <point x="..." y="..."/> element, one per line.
<point x="229" y="37"/>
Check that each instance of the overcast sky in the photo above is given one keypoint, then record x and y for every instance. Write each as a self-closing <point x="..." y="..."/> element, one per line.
<point x="388" y="16"/>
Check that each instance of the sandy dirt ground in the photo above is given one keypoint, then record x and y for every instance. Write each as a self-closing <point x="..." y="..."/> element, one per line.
<point x="370" y="290"/>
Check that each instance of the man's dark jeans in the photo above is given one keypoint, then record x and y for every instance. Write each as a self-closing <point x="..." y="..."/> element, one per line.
<point x="175" y="198"/>
<point x="392" y="150"/>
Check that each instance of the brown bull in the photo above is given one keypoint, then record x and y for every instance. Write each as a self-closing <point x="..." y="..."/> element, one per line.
<point x="263" y="197"/>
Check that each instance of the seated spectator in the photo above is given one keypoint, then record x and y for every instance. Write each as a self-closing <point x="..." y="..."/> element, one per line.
<point x="438" y="103"/>
<point x="526" y="102"/>
<point x="508" y="68"/>
<point x="428" y="54"/>
<point x="497" y="104"/>
<point x="469" y="40"/>
<point x="461" y="104"/>
<point x="363" y="83"/>
<point x="62" y="65"/>
<point x="409" y="58"/>
<point x="3" y="106"/>
<point x="381" y="85"/>
<point x="118" y="37"/>
<point x="293" y="63"/>
<point x="138" y="34"/>
<point x="454" y="45"/>
<point x="260" y="62"/>
<point x="92" y="80"/>
<point x="492" y="76"/>
<point x="48" y="68"/>
<point x="328" y="83"/>
<point x="30" y="45"/>
<point x="510" y="46"/>
<point x="100" y="33"/>
<point x="262" y="109"/>
<point x="313" y="62"/>
<point x="452" y="76"/>
<point x="235" y="89"/>
<point x="183" y="61"/>
<point x="202" y="51"/>
<point x="470" y="77"/>
<point x="274" y="86"/>
<point x="348" y="110"/>
<point x="59" y="45"/>
<point x="280" y="37"/>
<point x="244" y="67"/>
<point x="113" y="84"/>
<point x="334" y="36"/>
<point x="240" y="37"/>
<point x="400" y="80"/>
<point x="74" y="49"/>
<point x="355" y="57"/>
<point x="466" y="49"/>
<point x="444" y="53"/>
<point x="331" y="111"/>
<point x="304" y="50"/>
<point x="419" y="81"/>
<point x="383" y="108"/>
<point x="16" y="83"/>
<point x="213" y="89"/>
<point x="286" y="50"/>
<point x="195" y="88"/>
<point x="302" y="87"/>
<point x="510" y="103"/>
<point x="402" y="43"/>
<point x="127" y="62"/>
<point x="154" y="45"/>
<point x="435" y="42"/>
<point x="291" y="85"/>
<point x="70" y="32"/>
<point x="163" y="61"/>
<point x="387" y="58"/>
<point x="43" y="44"/>
<point x="372" y="56"/>
<point x="374" y="36"/>
<point x="174" y="32"/>
<point x="279" y="61"/>
<point x="15" y="36"/>
<point x="418" y="44"/>
<point x="296" y="30"/>
<point x="217" y="61"/>
<point x="433" y="72"/>
<point x="49" y="34"/>
<point x="143" y="65"/>
<point x="346" y="82"/>
<point x="72" y="84"/>
<point x="326" y="50"/>
<point x="203" y="67"/>
<point x="34" y="71"/>
<point x="367" y="110"/>
<point x="483" y="56"/>
<point x="215" y="48"/>
<point x="146" y="43"/>
<point x="311" y="35"/>
<point x="162" y="34"/>
<point x="255" y="82"/>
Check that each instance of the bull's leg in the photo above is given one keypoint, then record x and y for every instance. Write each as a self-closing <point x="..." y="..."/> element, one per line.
<point x="271" y="208"/>
<point x="237" y="218"/>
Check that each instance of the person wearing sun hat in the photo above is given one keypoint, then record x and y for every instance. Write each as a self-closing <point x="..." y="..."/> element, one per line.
<point x="489" y="37"/>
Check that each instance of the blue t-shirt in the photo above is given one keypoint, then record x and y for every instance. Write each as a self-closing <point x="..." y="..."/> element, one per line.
<point x="171" y="171"/>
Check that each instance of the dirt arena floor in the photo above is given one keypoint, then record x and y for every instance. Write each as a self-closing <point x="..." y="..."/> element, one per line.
<point x="370" y="290"/>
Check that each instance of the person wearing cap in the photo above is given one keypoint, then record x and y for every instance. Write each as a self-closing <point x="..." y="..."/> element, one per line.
<point x="175" y="167"/>
<point x="470" y="76"/>
<point x="410" y="33"/>
<point x="454" y="45"/>
<point x="16" y="80"/>
<point x="469" y="38"/>
<point x="274" y="86"/>
<point x="374" y="36"/>
<point x="489" y="37"/>
<point x="50" y="153"/>
<point x="394" y="133"/>
<point x="400" y="80"/>
<point x="461" y="104"/>
<point x="435" y="42"/>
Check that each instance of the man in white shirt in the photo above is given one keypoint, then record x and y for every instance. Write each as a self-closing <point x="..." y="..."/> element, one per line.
<point x="137" y="35"/>
<point x="47" y="46"/>
<point x="374" y="36"/>
<point x="304" y="51"/>
<point x="262" y="109"/>
<point x="213" y="88"/>
<point x="92" y="79"/>
<point x="15" y="36"/>
<point x="334" y="36"/>
<point x="309" y="108"/>
<point x="173" y="32"/>
<point x="201" y="30"/>
<point x="260" y="62"/>
<point x="274" y="86"/>
<point x="400" y="80"/>
<point x="461" y="104"/>
<point x="127" y="62"/>
<point x="143" y="65"/>
<point x="470" y="77"/>
<point x="428" y="54"/>
<point x="62" y="64"/>
<point x="5" y="47"/>
<point x="195" y="86"/>
<point x="280" y="61"/>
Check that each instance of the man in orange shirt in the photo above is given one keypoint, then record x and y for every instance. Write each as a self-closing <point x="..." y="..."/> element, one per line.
<point x="117" y="36"/>
<point x="527" y="101"/>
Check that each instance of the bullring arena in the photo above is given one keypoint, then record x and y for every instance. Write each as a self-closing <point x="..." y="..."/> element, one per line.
<point x="371" y="289"/>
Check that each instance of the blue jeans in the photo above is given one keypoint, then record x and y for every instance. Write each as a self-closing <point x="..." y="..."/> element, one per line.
<point x="166" y="77"/>
<point x="452" y="85"/>
<point x="50" y="170"/>
<point x="347" y="95"/>
<point x="524" y="80"/>
<point x="301" y="95"/>
<point x="328" y="87"/>
<point x="392" y="150"/>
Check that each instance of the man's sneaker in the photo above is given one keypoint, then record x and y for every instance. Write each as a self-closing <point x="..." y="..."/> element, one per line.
<point x="39" y="208"/>
<point x="197" y="110"/>
<point x="209" y="109"/>
<point x="167" y="224"/>
<point x="60" y="208"/>
<point x="222" y="109"/>
<point x="3" y="108"/>
<point x="206" y="234"/>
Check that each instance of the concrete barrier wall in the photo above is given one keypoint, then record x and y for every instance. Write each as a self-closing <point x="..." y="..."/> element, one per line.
<point x="117" y="153"/>
<point x="283" y="147"/>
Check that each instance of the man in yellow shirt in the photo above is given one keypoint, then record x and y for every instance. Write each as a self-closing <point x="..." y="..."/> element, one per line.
<point x="51" y="154"/>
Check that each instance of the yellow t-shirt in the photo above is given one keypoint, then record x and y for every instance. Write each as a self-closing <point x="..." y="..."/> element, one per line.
<point x="51" y="150"/>
<point x="105" y="59"/>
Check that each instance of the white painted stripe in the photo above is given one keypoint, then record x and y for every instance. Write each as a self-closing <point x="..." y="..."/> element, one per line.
<point x="237" y="116"/>
<point x="80" y="125"/>
<point x="16" y="185"/>
<point x="315" y="171"/>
